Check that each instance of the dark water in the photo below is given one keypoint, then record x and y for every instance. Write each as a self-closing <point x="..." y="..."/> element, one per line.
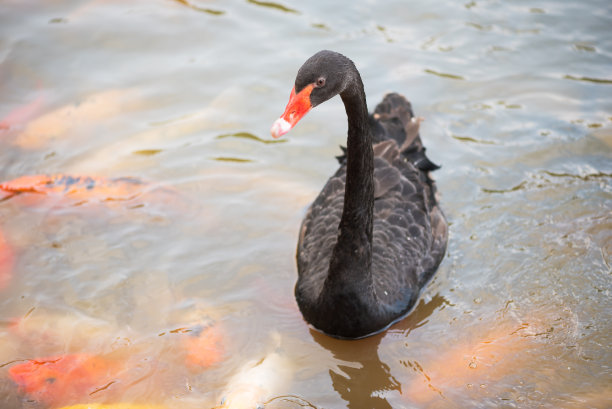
<point x="517" y="100"/>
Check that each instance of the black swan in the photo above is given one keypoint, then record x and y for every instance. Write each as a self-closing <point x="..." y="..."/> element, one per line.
<point x="375" y="234"/>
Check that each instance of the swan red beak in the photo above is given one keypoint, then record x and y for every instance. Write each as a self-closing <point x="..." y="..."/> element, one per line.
<point x="298" y="106"/>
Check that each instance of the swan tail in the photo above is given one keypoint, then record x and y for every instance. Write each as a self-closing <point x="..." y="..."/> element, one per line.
<point x="395" y="120"/>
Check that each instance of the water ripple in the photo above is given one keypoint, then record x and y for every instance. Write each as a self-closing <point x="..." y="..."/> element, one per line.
<point x="273" y="5"/>
<point x="444" y="75"/>
<point x="248" y="135"/>
<point x="588" y="79"/>
<point x="201" y="9"/>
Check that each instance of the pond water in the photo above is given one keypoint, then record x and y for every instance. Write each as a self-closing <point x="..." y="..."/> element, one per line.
<point x="167" y="278"/>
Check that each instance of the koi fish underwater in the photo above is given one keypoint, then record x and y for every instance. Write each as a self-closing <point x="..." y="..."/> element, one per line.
<point x="469" y="365"/>
<point x="69" y="379"/>
<point x="65" y="379"/>
<point x="45" y="332"/>
<point x="40" y="127"/>
<point x="203" y="346"/>
<point x="22" y="114"/>
<point x="76" y="187"/>
<point x="75" y="190"/>
<point x="256" y="382"/>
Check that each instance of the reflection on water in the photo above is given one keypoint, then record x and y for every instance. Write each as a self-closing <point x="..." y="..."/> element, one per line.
<point x="363" y="380"/>
<point x="161" y="264"/>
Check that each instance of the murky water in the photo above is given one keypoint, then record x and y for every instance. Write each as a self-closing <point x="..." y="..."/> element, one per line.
<point x="179" y="287"/>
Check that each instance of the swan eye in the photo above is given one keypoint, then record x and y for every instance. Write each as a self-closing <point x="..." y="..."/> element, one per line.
<point x="320" y="82"/>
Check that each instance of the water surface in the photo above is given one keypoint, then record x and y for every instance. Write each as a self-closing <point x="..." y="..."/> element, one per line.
<point x="517" y="101"/>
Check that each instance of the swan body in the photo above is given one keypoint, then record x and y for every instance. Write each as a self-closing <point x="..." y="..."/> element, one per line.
<point x="375" y="235"/>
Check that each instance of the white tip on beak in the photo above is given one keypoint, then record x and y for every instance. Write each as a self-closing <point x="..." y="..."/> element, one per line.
<point x="279" y="128"/>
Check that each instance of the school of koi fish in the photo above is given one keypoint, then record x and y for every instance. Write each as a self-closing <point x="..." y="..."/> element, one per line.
<point x="74" y="380"/>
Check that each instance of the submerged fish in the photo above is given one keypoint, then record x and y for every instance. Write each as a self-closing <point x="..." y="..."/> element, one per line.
<point x="75" y="185"/>
<point x="6" y="262"/>
<point x="76" y="117"/>
<point x="20" y="115"/>
<point x="47" y="331"/>
<point x="257" y="382"/>
<point x="203" y="346"/>
<point x="64" y="379"/>
<point x="468" y="366"/>
<point x="82" y="188"/>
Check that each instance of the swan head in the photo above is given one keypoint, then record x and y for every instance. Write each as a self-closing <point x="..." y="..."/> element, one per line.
<point x="323" y="76"/>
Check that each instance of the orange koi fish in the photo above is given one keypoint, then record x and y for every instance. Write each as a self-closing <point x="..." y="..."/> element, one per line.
<point x="203" y="346"/>
<point x="76" y="117"/>
<point x="22" y="114"/>
<point x="64" y="379"/>
<point x="468" y="366"/>
<point x="6" y="262"/>
<point x="47" y="331"/>
<point x="258" y="381"/>
<point x="79" y="188"/>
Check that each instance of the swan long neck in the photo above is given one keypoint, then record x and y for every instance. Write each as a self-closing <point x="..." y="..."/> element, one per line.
<point x="352" y="255"/>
